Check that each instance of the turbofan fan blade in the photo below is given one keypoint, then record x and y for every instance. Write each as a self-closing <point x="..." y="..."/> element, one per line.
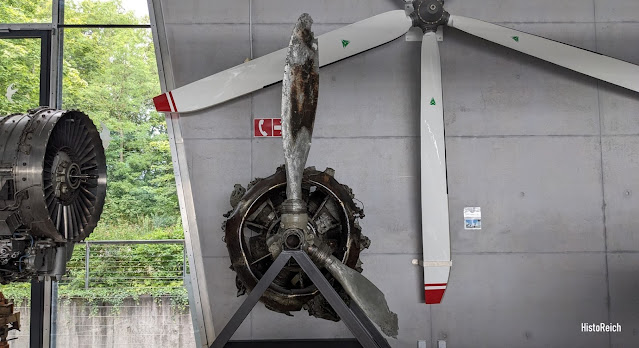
<point x="435" y="228"/>
<point x="266" y="70"/>
<point x="596" y="65"/>
<point x="299" y="102"/>
<point x="361" y="290"/>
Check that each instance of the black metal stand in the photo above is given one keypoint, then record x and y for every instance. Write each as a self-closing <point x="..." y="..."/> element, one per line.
<point x="36" y="331"/>
<point x="357" y="322"/>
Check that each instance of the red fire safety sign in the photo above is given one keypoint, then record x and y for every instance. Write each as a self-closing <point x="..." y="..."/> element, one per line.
<point x="268" y="127"/>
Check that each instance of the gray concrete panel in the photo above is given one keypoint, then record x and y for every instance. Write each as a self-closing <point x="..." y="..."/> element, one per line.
<point x="221" y="284"/>
<point x="492" y="90"/>
<point x="198" y="51"/>
<point x="268" y="325"/>
<point x="524" y="10"/>
<point x="618" y="105"/>
<point x="402" y="284"/>
<point x="616" y="10"/>
<point x="322" y="11"/>
<point x="230" y="120"/>
<point x="523" y="300"/>
<point x="215" y="167"/>
<point x="537" y="194"/>
<point x="624" y="298"/>
<point x="206" y="11"/>
<point x="384" y="175"/>
<point x="621" y="170"/>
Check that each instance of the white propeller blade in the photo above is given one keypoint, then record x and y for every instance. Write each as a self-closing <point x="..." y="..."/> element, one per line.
<point x="435" y="229"/>
<point x="592" y="64"/>
<point x="266" y="70"/>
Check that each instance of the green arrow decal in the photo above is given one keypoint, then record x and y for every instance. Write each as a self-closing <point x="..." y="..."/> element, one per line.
<point x="432" y="102"/>
<point x="345" y="43"/>
<point x="516" y="38"/>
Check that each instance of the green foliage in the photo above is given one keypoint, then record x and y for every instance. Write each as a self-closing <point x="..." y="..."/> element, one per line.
<point x="20" y="71"/>
<point x="25" y="11"/>
<point x="111" y="75"/>
<point x="20" y="58"/>
<point x="148" y="228"/>
<point x="118" y="272"/>
<point x="17" y="292"/>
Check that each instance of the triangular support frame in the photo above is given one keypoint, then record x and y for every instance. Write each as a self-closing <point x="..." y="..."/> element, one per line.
<point x="357" y="322"/>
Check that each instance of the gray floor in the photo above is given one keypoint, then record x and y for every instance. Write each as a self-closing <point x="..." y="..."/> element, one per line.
<point x="551" y="156"/>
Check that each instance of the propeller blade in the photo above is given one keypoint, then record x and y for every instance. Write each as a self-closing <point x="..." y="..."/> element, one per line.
<point x="266" y="70"/>
<point x="299" y="102"/>
<point x="435" y="228"/>
<point x="361" y="290"/>
<point x="596" y="65"/>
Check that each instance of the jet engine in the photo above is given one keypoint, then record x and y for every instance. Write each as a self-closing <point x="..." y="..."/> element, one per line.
<point x="52" y="190"/>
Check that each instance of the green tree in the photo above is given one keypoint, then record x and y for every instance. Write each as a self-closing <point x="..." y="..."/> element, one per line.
<point x="111" y="75"/>
<point x="20" y="58"/>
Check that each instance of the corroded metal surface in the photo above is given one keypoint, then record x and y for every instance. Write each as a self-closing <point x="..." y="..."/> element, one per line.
<point x="9" y="320"/>
<point x="257" y="216"/>
<point x="361" y="290"/>
<point x="302" y="223"/>
<point x="299" y="102"/>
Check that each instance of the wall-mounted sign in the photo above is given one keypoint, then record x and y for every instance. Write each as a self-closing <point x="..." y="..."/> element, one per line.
<point x="268" y="127"/>
<point x="472" y="218"/>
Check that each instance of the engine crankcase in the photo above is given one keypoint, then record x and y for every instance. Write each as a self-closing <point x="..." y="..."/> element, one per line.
<point x="333" y="219"/>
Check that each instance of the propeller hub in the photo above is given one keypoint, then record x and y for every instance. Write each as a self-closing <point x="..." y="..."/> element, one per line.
<point x="293" y="239"/>
<point x="429" y="14"/>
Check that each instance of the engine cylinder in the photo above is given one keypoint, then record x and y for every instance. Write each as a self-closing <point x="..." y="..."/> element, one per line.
<point x="253" y="241"/>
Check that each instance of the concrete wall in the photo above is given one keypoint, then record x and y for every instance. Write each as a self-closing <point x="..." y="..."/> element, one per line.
<point x="551" y="156"/>
<point x="146" y="323"/>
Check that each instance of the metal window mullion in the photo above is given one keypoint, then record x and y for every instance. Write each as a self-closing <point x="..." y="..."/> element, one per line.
<point x="57" y="42"/>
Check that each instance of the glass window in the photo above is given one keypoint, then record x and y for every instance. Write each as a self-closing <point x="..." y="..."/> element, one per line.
<point x="25" y="11"/>
<point x="115" y="291"/>
<point x="111" y="75"/>
<point x="106" y="12"/>
<point x="19" y="75"/>
<point x="20" y="68"/>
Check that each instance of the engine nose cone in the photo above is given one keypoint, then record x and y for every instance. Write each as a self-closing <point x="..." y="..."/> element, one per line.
<point x="429" y="14"/>
<point x="430" y="11"/>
